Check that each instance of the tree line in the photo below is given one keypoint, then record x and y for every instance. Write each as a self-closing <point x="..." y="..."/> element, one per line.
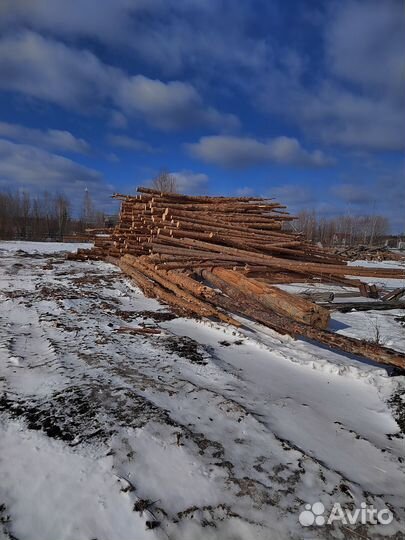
<point x="48" y="215"/>
<point x="24" y="216"/>
<point x="349" y="230"/>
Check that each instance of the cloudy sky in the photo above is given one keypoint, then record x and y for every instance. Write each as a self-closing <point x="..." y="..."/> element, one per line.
<point x="304" y="101"/>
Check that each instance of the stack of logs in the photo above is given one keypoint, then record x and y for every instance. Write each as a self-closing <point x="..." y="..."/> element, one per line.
<point x="367" y="253"/>
<point x="221" y="256"/>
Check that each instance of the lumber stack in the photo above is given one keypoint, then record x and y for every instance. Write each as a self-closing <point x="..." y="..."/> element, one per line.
<point x="79" y="237"/>
<point x="221" y="256"/>
<point x="367" y="253"/>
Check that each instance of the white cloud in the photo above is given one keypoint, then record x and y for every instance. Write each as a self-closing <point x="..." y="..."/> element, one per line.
<point x="365" y="45"/>
<point x="118" y="120"/>
<point x="356" y="121"/>
<point x="51" y="138"/>
<point x="128" y="143"/>
<point x="365" y="48"/>
<point x="239" y="152"/>
<point x="168" y="34"/>
<point x="105" y="20"/>
<point x="53" y="72"/>
<point x="356" y="99"/>
<point x="354" y="193"/>
<point x="245" y="191"/>
<point x="170" y="105"/>
<point x="298" y="196"/>
<point x="348" y="91"/>
<point x="72" y="78"/>
<point x="191" y="183"/>
<point x="113" y="157"/>
<point x="28" y="167"/>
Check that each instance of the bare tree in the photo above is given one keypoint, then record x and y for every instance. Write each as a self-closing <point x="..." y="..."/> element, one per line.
<point x="62" y="211"/>
<point x="48" y="208"/>
<point x="87" y="210"/>
<point x="164" y="181"/>
<point x="8" y="211"/>
<point x="37" y="217"/>
<point x="25" y="207"/>
<point x="307" y="223"/>
<point x="342" y="230"/>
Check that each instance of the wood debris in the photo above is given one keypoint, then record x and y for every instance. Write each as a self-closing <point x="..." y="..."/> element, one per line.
<point x="220" y="256"/>
<point x="392" y="296"/>
<point x="138" y="330"/>
<point x="369" y="253"/>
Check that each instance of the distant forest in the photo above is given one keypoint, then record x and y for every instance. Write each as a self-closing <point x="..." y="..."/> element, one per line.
<point x="349" y="230"/>
<point x="46" y="216"/>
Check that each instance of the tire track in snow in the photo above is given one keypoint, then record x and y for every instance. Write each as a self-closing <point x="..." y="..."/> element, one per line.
<point x="125" y="384"/>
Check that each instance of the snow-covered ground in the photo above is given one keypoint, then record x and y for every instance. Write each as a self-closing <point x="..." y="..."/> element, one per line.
<point x="199" y="432"/>
<point x="15" y="246"/>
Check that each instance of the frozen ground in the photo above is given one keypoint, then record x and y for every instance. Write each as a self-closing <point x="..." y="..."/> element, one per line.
<point x="200" y="432"/>
<point x="40" y="247"/>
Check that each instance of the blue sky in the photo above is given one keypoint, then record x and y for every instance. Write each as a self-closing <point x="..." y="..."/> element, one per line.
<point x="304" y="101"/>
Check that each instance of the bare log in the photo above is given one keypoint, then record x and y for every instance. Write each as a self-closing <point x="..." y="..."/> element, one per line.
<point x="282" y="302"/>
<point x="242" y="304"/>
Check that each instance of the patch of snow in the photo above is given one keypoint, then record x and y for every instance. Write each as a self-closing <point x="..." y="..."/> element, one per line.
<point x="56" y="493"/>
<point x="378" y="264"/>
<point x="221" y="434"/>
<point x="41" y="247"/>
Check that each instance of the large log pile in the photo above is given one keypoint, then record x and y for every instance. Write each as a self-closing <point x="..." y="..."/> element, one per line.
<point x="220" y="256"/>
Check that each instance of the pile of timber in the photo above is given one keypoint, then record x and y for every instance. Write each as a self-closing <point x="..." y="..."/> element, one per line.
<point x="367" y="253"/>
<point x="79" y="237"/>
<point x="89" y="235"/>
<point x="222" y="256"/>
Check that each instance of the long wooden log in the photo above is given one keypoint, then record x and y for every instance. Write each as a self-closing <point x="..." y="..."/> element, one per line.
<point x="225" y="207"/>
<point x="302" y="265"/>
<point x="182" y="280"/>
<point x="216" y="226"/>
<point x="185" y="299"/>
<point x="193" y="264"/>
<point x="242" y="304"/>
<point x="246" y="245"/>
<point x="346" y="307"/>
<point x="282" y="302"/>
<point x="170" y="213"/>
<point x="277" y="239"/>
<point x="174" y="196"/>
<point x="143" y="283"/>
